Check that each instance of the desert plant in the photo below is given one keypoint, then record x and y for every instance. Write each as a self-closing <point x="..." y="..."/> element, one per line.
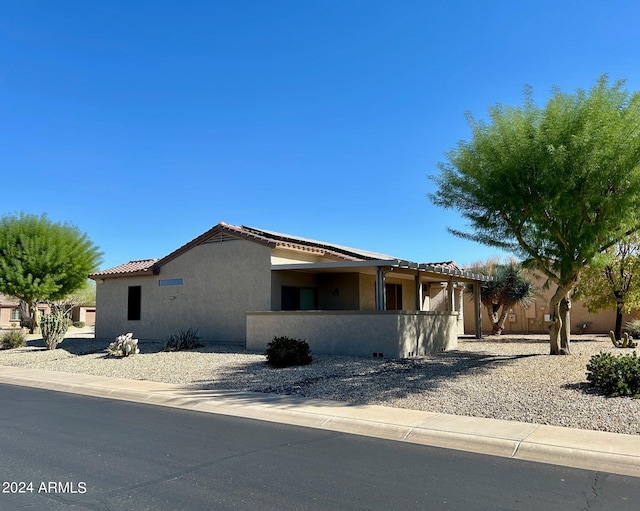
<point x="123" y="346"/>
<point x="12" y="339"/>
<point x="626" y="341"/>
<point x="78" y="324"/>
<point x="183" y="340"/>
<point x="615" y="375"/>
<point x="286" y="352"/>
<point x="53" y="328"/>
<point x="633" y="328"/>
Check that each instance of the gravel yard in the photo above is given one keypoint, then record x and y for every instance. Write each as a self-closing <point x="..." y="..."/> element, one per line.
<point x="507" y="377"/>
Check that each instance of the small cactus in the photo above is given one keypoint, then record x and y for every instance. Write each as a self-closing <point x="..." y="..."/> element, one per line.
<point x="123" y="346"/>
<point x="626" y="341"/>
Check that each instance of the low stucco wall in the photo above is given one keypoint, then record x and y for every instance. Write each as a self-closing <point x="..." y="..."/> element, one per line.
<point x="392" y="334"/>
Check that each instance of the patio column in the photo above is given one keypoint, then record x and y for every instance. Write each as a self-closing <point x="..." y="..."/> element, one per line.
<point x="450" y="306"/>
<point x="459" y="292"/>
<point x="418" y="294"/>
<point x="381" y="292"/>
<point x="477" y="309"/>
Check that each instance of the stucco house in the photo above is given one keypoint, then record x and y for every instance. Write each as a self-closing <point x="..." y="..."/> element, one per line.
<point x="10" y="311"/>
<point x="247" y="285"/>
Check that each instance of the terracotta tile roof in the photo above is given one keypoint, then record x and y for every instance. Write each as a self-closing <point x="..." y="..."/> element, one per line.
<point x="272" y="239"/>
<point x="141" y="266"/>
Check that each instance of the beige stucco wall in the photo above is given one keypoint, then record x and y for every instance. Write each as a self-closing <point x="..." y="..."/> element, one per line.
<point x="5" y="317"/>
<point x="367" y="292"/>
<point x="340" y="291"/>
<point x="283" y="256"/>
<point x="393" y="334"/>
<point x="220" y="282"/>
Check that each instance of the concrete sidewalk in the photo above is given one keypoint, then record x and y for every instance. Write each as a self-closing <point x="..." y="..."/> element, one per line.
<point x="593" y="450"/>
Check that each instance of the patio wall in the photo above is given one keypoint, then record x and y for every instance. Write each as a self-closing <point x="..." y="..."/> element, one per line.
<point x="392" y="334"/>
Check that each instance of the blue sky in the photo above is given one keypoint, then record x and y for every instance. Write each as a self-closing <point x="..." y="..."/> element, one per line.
<point x="145" y="123"/>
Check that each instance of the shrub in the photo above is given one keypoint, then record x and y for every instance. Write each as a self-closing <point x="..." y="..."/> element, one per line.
<point x="633" y="328"/>
<point x="286" y="352"/>
<point x="615" y="375"/>
<point x="53" y="328"/>
<point x="123" y="346"/>
<point x="78" y="324"/>
<point x="13" y="339"/>
<point x="183" y="340"/>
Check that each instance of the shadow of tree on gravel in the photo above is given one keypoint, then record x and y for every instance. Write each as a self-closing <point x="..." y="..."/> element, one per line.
<point x="351" y="379"/>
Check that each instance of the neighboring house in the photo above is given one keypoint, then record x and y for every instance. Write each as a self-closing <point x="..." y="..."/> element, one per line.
<point x="85" y="314"/>
<point x="247" y="285"/>
<point x="535" y="318"/>
<point x="10" y="311"/>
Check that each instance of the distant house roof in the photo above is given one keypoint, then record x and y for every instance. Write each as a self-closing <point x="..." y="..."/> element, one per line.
<point x="9" y="301"/>
<point x="272" y="239"/>
<point x="139" y="267"/>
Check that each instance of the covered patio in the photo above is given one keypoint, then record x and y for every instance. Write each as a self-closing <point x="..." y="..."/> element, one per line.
<point x="387" y="308"/>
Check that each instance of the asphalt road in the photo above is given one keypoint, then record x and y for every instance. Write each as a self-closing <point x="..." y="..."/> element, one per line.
<point x="63" y="451"/>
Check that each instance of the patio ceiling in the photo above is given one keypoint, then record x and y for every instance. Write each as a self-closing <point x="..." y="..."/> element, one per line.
<point x="428" y="272"/>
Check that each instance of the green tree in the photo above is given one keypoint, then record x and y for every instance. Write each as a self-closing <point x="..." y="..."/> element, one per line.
<point x="612" y="281"/>
<point x="508" y="288"/>
<point x="556" y="185"/>
<point x="43" y="261"/>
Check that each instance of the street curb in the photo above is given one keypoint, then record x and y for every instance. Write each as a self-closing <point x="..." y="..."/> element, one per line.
<point x="592" y="450"/>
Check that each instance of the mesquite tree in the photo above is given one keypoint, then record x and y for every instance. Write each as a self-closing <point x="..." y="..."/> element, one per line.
<point x="555" y="185"/>
<point x="613" y="281"/>
<point x="43" y="261"/>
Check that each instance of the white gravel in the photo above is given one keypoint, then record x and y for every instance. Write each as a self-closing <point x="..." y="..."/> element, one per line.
<point x="508" y="377"/>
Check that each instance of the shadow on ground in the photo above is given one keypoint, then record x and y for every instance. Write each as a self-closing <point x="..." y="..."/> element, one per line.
<point x="345" y="379"/>
<point x="351" y="379"/>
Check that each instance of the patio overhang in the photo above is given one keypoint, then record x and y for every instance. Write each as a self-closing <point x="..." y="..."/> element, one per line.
<point x="427" y="270"/>
<point x="420" y="272"/>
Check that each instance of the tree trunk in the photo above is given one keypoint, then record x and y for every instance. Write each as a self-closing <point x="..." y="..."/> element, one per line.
<point x="618" y="328"/>
<point x="499" y="325"/>
<point x="560" y="330"/>
<point x="565" y="332"/>
<point x="492" y="311"/>
<point x="32" y="309"/>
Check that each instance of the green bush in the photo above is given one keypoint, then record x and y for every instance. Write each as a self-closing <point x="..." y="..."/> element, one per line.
<point x="78" y="324"/>
<point x="615" y="375"/>
<point x="286" y="352"/>
<point x="12" y="339"/>
<point x="183" y="340"/>
<point x="53" y="328"/>
<point x="633" y="328"/>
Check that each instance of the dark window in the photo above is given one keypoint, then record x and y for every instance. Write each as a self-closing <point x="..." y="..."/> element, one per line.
<point x="134" y="305"/>
<point x="394" y="297"/>
<point x="298" y="298"/>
